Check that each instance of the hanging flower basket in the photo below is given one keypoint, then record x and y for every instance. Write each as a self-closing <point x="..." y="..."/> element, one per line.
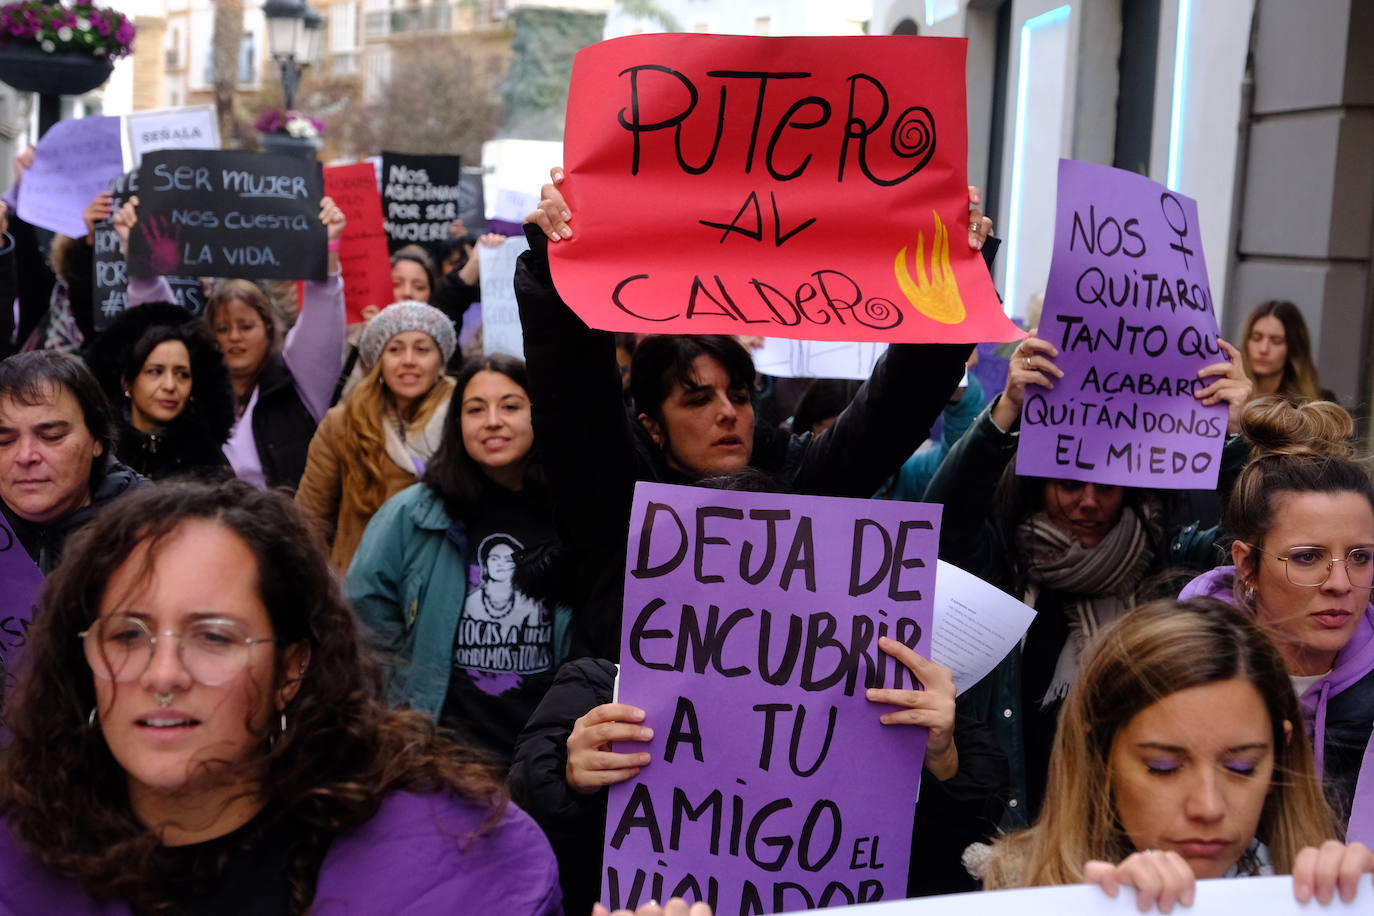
<point x="52" y="49"/>
<point x="287" y="145"/>
<point x="30" y="69"/>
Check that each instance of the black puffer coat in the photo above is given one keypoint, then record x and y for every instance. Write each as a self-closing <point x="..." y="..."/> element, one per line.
<point x="192" y="442"/>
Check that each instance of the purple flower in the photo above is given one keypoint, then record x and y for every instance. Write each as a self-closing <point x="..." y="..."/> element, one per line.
<point x="53" y="25"/>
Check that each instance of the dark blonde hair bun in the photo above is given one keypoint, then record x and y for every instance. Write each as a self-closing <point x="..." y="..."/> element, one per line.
<point x="1314" y="429"/>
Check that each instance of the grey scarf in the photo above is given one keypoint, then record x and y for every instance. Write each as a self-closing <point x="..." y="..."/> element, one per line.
<point x="1099" y="583"/>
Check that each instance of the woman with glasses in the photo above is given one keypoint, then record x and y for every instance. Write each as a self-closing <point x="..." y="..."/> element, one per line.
<point x="199" y="730"/>
<point x="1302" y="516"/>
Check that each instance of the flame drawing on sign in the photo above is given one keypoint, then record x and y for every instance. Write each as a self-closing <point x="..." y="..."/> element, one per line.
<point x="935" y="294"/>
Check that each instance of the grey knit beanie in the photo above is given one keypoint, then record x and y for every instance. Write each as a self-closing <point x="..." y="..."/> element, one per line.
<point x="400" y="317"/>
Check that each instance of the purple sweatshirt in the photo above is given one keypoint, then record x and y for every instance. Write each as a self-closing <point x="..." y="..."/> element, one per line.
<point x="412" y="858"/>
<point x="1352" y="664"/>
<point x="313" y="352"/>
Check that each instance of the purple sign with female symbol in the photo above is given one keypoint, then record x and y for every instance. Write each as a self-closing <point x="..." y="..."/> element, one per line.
<point x="1129" y="308"/>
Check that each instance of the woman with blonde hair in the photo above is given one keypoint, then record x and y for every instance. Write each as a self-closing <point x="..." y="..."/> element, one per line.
<point x="1278" y="353"/>
<point x="379" y="439"/>
<point x="1179" y="757"/>
<point x="1301" y="519"/>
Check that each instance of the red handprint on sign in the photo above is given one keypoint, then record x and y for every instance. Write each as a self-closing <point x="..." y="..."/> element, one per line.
<point x="164" y="248"/>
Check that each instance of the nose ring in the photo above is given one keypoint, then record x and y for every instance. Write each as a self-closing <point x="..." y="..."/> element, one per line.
<point x="163" y="699"/>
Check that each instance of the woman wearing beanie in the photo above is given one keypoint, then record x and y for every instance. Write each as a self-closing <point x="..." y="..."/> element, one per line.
<point x="379" y="439"/>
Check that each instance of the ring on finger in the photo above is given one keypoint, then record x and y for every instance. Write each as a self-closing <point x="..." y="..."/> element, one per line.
<point x="1026" y="362"/>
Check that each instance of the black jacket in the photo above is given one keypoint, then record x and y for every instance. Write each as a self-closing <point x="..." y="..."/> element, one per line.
<point x="45" y="542"/>
<point x="181" y="448"/>
<point x="282" y="426"/>
<point x="597" y="451"/>
<point x="33" y="281"/>
<point x="950" y="815"/>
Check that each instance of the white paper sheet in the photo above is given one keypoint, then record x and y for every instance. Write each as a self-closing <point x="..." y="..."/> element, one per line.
<point x="785" y="358"/>
<point x="501" y="331"/>
<point x="975" y="625"/>
<point x="1218" y="897"/>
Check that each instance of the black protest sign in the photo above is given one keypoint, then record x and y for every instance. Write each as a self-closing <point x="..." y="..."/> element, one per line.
<point x="223" y="213"/>
<point x="751" y="631"/>
<point x="420" y="197"/>
<point x="111" y="272"/>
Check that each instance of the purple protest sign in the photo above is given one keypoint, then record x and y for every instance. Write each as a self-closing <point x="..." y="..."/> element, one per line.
<point x="1130" y="310"/>
<point x="750" y="632"/>
<point x="75" y="161"/>
<point x="20" y="583"/>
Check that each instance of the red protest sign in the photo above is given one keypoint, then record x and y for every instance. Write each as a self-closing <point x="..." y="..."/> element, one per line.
<point x="812" y="188"/>
<point x="362" y="250"/>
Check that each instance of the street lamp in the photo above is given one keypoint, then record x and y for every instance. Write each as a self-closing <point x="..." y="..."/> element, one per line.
<point x="293" y="39"/>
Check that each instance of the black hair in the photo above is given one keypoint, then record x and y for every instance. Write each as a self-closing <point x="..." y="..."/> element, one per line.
<point x="490" y="543"/>
<point x="417" y="255"/>
<point x="28" y="379"/>
<point x="824" y="399"/>
<point x="452" y="473"/>
<point x="117" y="355"/>
<point x="454" y="246"/>
<point x="664" y="360"/>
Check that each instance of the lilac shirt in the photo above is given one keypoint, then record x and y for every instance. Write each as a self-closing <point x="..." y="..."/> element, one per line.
<point x="313" y="352"/>
<point x="414" y="857"/>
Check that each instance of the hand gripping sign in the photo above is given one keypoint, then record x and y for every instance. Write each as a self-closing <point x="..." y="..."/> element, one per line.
<point x="811" y="188"/>
<point x="751" y="630"/>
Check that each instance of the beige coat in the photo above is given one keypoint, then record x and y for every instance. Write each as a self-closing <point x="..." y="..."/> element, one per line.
<point x="321" y="488"/>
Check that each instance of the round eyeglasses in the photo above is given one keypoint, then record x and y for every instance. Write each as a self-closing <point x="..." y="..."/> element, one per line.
<point x="213" y="651"/>
<point x="1311" y="566"/>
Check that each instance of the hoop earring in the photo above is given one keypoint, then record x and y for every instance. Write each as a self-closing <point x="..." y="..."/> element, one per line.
<point x="1247" y="592"/>
<point x="281" y="730"/>
<point x="90" y="720"/>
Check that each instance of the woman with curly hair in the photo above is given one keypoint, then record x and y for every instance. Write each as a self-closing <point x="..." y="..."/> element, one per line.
<point x="380" y="439"/>
<point x="1180" y="756"/>
<point x="199" y="730"/>
<point x="170" y="388"/>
